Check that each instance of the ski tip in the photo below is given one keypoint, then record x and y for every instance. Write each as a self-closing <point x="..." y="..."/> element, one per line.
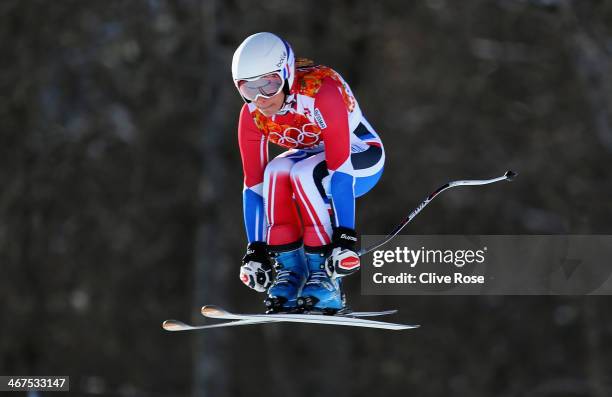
<point x="213" y="311"/>
<point x="510" y="175"/>
<point x="172" y="325"/>
<point x="405" y="326"/>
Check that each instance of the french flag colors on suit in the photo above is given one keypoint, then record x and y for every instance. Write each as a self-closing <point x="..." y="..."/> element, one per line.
<point x="333" y="156"/>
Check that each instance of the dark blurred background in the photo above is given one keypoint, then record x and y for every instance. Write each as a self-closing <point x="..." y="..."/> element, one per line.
<point x="121" y="184"/>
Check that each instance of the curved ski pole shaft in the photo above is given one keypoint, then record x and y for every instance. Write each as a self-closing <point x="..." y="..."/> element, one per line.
<point x="508" y="176"/>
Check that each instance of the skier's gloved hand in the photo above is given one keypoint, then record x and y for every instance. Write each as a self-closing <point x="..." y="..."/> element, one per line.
<point x="343" y="259"/>
<point x="256" y="271"/>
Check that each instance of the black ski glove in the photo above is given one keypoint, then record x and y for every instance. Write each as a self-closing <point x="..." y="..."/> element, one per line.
<point x="256" y="271"/>
<point x="343" y="259"/>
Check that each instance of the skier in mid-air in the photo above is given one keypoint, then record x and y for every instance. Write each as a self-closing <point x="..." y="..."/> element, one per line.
<point x="299" y="208"/>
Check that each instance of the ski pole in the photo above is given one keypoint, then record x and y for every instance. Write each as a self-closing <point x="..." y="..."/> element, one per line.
<point x="508" y="176"/>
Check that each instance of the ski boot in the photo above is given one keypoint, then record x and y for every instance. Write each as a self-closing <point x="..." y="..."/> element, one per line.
<point x="291" y="274"/>
<point x="321" y="293"/>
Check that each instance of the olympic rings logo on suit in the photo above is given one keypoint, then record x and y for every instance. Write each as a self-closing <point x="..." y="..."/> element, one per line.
<point x="293" y="137"/>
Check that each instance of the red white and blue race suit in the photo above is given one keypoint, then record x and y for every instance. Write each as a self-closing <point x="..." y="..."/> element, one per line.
<point x="334" y="156"/>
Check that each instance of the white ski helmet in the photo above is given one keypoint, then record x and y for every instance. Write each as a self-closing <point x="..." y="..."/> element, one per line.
<point x="263" y="53"/>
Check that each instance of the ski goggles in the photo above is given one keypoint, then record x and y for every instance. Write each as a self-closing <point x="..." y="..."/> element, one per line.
<point x="266" y="86"/>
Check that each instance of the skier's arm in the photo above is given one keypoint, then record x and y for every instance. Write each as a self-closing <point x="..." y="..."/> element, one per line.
<point x="254" y="153"/>
<point x="335" y="132"/>
<point x="343" y="259"/>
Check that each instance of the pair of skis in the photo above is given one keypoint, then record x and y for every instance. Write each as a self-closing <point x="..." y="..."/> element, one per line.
<point x="353" y="319"/>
